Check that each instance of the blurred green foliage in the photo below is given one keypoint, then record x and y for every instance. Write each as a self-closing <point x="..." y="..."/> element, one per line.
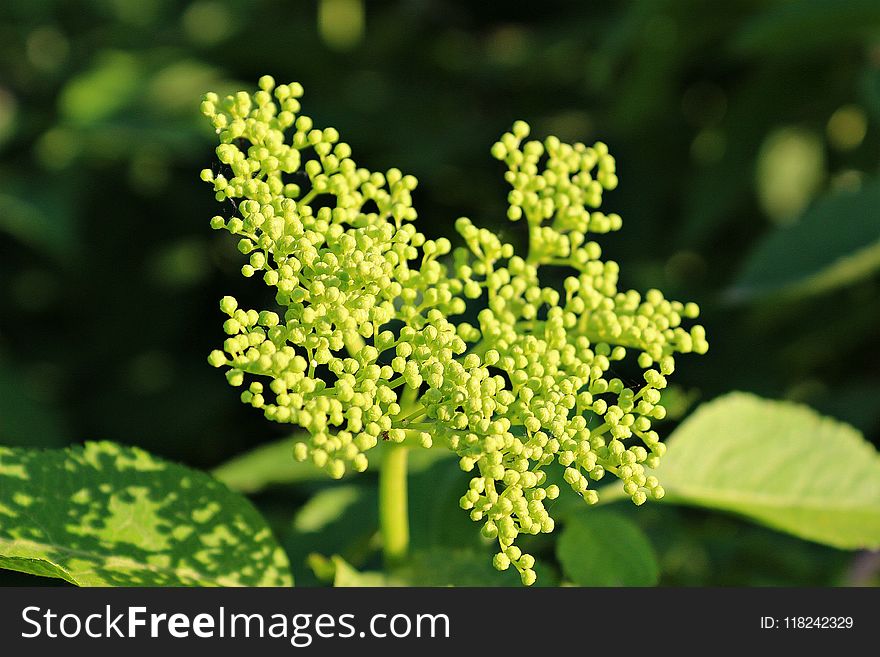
<point x="747" y="135"/>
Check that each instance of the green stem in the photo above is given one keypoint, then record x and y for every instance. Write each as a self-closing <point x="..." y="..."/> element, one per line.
<point x="393" y="516"/>
<point x="416" y="413"/>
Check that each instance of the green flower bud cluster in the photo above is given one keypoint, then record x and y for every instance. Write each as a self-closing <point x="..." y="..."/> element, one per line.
<point x="366" y="345"/>
<point x="346" y="264"/>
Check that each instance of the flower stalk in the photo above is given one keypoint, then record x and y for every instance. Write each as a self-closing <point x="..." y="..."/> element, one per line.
<point x="393" y="505"/>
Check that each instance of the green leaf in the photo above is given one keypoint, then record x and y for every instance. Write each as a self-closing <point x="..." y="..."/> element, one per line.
<point x="435" y="515"/>
<point x="265" y="466"/>
<point x="602" y="548"/>
<point x="342" y="574"/>
<point x="326" y="506"/>
<point x="273" y="464"/>
<point x="457" y="567"/>
<point x="347" y="576"/>
<point x="802" y="27"/>
<point x="780" y="464"/>
<point x="834" y="243"/>
<point x="108" y="515"/>
<point x="346" y="528"/>
<point x="434" y="567"/>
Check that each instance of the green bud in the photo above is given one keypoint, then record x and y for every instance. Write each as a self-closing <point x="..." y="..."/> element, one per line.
<point x="228" y="305"/>
<point x="501" y="561"/>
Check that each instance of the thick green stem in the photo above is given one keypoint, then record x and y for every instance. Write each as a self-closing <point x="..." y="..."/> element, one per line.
<point x="393" y="514"/>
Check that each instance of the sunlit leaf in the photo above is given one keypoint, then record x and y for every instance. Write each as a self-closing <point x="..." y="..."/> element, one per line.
<point x="108" y="515"/>
<point x="780" y="464"/>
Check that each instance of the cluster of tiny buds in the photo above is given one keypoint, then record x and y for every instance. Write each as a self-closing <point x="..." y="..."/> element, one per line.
<point x="368" y="343"/>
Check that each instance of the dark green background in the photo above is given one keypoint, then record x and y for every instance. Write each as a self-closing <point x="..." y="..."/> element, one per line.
<point x="729" y="120"/>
